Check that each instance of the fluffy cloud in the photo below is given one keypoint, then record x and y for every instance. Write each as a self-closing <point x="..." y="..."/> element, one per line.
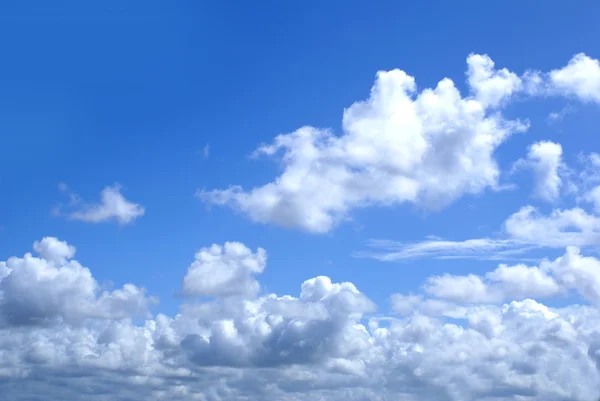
<point x="464" y="337"/>
<point x="545" y="160"/>
<point x="580" y="78"/>
<point x="322" y="344"/>
<point x="558" y="229"/>
<point x="506" y="282"/>
<point x="224" y="271"/>
<point x="570" y="272"/>
<point x="54" y="250"/>
<point x="428" y="147"/>
<point x="112" y="207"/>
<point x="50" y="288"/>
<point x="490" y="87"/>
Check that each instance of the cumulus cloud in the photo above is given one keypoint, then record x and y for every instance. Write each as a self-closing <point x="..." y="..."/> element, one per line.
<point x="112" y="207"/>
<point x="580" y="79"/>
<point x="504" y="283"/>
<point x="558" y="229"/>
<point x="428" y="147"/>
<point x="324" y="343"/>
<point x="545" y="160"/>
<point x="53" y="250"/>
<point x="463" y="337"/>
<point x="221" y="271"/>
<point x="53" y="287"/>
<point x="570" y="272"/>
<point x="491" y="87"/>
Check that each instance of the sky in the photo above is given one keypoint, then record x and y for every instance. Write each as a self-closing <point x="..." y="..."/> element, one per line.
<point x="284" y="200"/>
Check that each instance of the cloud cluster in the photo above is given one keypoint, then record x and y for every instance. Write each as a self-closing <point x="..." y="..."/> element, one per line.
<point x="570" y="272"/>
<point x="529" y="227"/>
<point x="462" y="338"/>
<point x="403" y="145"/>
<point x="53" y="288"/>
<point x="74" y="341"/>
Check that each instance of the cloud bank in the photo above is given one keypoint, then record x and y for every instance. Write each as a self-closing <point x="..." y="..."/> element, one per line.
<point x="63" y="337"/>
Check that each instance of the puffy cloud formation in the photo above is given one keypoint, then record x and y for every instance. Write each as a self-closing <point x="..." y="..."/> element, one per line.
<point x="403" y="145"/>
<point x="560" y="228"/>
<point x="569" y="272"/>
<point x="224" y="271"/>
<point x="53" y="288"/>
<point x="62" y="338"/>
<point x="400" y="145"/>
<point x="545" y="160"/>
<point x="490" y="87"/>
<point x="112" y="207"/>
<point x="580" y="78"/>
<point x="53" y="250"/>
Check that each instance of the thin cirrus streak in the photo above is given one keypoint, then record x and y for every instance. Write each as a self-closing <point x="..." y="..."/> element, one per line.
<point x="481" y="248"/>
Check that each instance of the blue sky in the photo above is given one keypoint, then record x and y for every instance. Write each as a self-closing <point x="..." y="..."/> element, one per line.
<point x="169" y="100"/>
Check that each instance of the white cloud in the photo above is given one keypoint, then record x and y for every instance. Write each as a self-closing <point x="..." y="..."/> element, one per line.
<point x="558" y="229"/>
<point x="402" y="145"/>
<point x="112" y="206"/>
<point x="545" y="160"/>
<point x="528" y="228"/>
<point x="523" y="231"/>
<point x="469" y="288"/>
<point x="580" y="78"/>
<point x="480" y="248"/>
<point x="405" y="304"/>
<point x="317" y="345"/>
<point x="593" y="197"/>
<point x="63" y="337"/>
<point x="568" y="272"/>
<point x="491" y="87"/>
<point x="221" y="271"/>
<point x="557" y="116"/>
<point x="39" y="291"/>
<point x="577" y="272"/>
<point x="504" y="283"/>
<point x="427" y="147"/>
<point x="53" y="250"/>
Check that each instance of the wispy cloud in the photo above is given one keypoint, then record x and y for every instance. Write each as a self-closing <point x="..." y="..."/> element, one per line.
<point x="112" y="207"/>
<point x="438" y="248"/>
<point x="557" y="116"/>
<point x="523" y="231"/>
<point x="205" y="152"/>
